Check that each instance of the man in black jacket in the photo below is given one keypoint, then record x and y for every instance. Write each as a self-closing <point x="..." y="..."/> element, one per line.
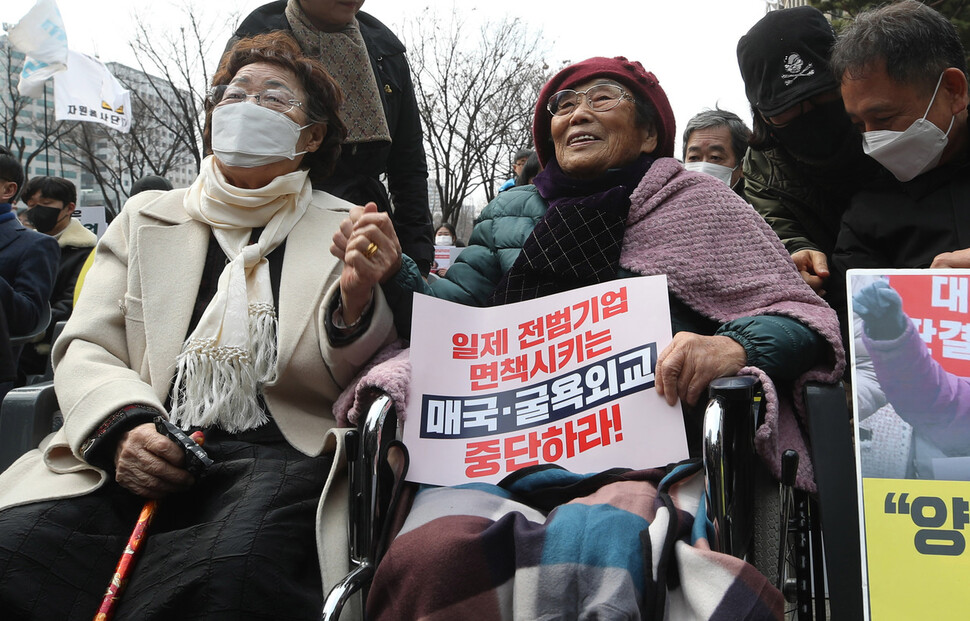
<point x="380" y="110"/>
<point x="28" y="267"/>
<point x="52" y="203"/>
<point x="904" y="82"/>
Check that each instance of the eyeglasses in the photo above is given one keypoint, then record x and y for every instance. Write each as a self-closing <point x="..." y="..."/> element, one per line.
<point x="274" y="99"/>
<point x="600" y="98"/>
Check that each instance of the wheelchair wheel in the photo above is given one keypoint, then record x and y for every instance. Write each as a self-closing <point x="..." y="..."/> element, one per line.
<point x="796" y="571"/>
<point x="763" y="553"/>
<point x="798" y="543"/>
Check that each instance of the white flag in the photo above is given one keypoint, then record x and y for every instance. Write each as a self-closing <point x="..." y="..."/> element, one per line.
<point x="87" y="91"/>
<point x="41" y="37"/>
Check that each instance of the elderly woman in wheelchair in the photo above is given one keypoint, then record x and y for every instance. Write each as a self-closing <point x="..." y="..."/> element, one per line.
<point x="610" y="203"/>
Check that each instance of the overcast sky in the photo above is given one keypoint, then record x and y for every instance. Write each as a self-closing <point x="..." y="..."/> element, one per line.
<point x="689" y="44"/>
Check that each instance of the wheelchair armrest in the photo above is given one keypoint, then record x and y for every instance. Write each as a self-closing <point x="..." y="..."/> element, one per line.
<point x="27" y="415"/>
<point x="831" y="434"/>
<point x="369" y="492"/>
<point x="730" y="420"/>
<point x="370" y="496"/>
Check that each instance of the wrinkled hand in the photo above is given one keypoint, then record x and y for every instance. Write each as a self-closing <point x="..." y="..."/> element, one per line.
<point x="881" y="308"/>
<point x="149" y="464"/>
<point x="813" y="267"/>
<point x="364" y="226"/>
<point x="958" y="258"/>
<point x="689" y="363"/>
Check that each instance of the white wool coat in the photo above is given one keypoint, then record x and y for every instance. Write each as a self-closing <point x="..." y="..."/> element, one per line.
<point x="120" y="345"/>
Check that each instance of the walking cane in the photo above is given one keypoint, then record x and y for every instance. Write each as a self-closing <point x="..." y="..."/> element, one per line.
<point x="197" y="461"/>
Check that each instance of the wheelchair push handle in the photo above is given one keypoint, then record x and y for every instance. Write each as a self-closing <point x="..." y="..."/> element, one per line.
<point x="735" y="387"/>
<point x="789" y="467"/>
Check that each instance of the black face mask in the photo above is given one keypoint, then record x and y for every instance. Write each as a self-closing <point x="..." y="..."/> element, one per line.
<point x="817" y="134"/>
<point x="42" y="218"/>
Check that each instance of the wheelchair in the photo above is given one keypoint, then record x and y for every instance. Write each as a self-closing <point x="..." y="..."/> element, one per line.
<point x="771" y="524"/>
<point x="786" y="533"/>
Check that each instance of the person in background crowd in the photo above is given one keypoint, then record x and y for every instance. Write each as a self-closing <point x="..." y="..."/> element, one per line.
<point x="200" y="311"/>
<point x="381" y="114"/>
<point x="714" y="143"/>
<point x="530" y="169"/>
<point x="521" y="157"/>
<point x="28" y="262"/>
<point x="446" y="235"/>
<point x="904" y="81"/>
<point x="150" y="182"/>
<point x="805" y="162"/>
<point x="51" y="202"/>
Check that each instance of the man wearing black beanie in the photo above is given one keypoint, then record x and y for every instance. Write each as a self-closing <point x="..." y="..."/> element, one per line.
<point x="805" y="162"/>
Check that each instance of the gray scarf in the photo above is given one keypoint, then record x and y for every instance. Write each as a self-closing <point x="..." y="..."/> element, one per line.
<point x="344" y="55"/>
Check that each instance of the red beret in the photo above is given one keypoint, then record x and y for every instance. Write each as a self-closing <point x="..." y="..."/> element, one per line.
<point x="631" y="74"/>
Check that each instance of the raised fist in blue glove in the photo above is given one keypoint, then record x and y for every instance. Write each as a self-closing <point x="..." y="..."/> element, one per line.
<point x="881" y="309"/>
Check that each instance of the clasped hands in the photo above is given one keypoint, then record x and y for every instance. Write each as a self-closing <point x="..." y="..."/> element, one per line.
<point x="371" y="253"/>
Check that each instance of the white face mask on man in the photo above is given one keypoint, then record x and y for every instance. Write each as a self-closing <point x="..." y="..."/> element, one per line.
<point x="715" y="170"/>
<point x="910" y="153"/>
<point x="247" y="135"/>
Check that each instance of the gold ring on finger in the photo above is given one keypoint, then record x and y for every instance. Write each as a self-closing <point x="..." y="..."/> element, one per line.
<point x="371" y="250"/>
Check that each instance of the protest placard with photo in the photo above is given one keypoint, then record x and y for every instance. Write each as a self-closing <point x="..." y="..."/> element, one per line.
<point x="566" y="379"/>
<point x="911" y="390"/>
<point x="444" y="256"/>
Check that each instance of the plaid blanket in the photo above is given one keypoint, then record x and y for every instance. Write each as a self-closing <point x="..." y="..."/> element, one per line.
<point x="550" y="544"/>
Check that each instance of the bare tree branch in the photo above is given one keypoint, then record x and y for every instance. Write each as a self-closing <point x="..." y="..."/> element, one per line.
<point x="475" y="90"/>
<point x="177" y="93"/>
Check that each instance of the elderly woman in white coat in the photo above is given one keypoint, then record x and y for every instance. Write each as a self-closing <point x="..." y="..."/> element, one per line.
<point x="217" y="308"/>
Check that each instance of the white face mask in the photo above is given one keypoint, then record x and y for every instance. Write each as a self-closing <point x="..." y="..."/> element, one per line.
<point x="715" y="170"/>
<point x="442" y="240"/>
<point x="248" y="135"/>
<point x="909" y="153"/>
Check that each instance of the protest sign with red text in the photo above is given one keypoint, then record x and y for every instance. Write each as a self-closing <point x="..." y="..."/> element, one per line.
<point x="566" y="379"/>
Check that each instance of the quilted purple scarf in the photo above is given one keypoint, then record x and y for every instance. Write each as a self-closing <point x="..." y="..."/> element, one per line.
<point x="577" y="242"/>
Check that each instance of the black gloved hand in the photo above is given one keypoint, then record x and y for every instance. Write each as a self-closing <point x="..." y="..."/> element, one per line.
<point x="881" y="308"/>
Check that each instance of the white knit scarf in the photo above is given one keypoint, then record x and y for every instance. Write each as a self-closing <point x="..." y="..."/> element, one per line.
<point x="231" y="353"/>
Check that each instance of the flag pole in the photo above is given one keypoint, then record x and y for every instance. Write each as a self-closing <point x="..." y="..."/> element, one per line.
<point x="47" y="136"/>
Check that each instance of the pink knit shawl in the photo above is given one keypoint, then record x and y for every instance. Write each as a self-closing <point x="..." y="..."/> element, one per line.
<point x="725" y="262"/>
